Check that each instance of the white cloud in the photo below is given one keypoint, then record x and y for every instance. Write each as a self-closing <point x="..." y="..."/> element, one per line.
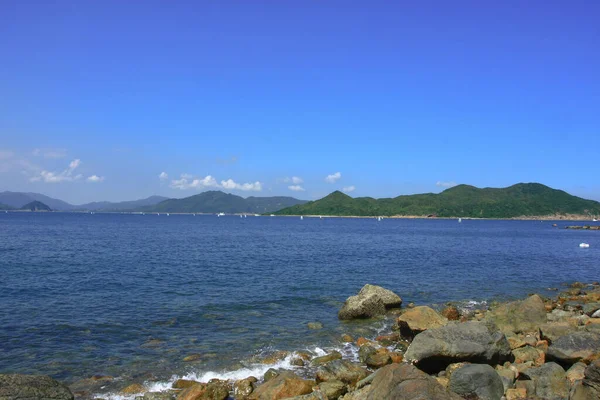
<point x="230" y="184"/>
<point x="349" y="189"/>
<point x="333" y="177"/>
<point x="50" y="153"/>
<point x="95" y="178"/>
<point x="296" y="180"/>
<point x="445" y="184"/>
<point x="163" y="176"/>
<point x="186" y="182"/>
<point x="57" y="177"/>
<point x="296" y="188"/>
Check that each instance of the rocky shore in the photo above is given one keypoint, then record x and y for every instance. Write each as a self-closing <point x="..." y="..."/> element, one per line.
<point x="535" y="348"/>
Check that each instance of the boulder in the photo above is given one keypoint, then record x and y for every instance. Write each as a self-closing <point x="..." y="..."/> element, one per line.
<point x="404" y="382"/>
<point x="378" y="360"/>
<point x="334" y="355"/>
<point x="552" y="331"/>
<point x="244" y="387"/>
<point x="168" y="395"/>
<point x="519" y="316"/>
<point x="577" y="346"/>
<point x="576" y="372"/>
<point x="134" y="388"/>
<point x="370" y="302"/>
<point x="477" y="381"/>
<point x="183" y="383"/>
<point x="270" y="374"/>
<point x="592" y="376"/>
<point x="434" y="349"/>
<point x="332" y="390"/>
<point x="550" y="381"/>
<point x="213" y="390"/>
<point x="419" y="319"/>
<point x="341" y="370"/>
<point x="451" y="313"/>
<point x="516" y="394"/>
<point x="590" y="308"/>
<point x="32" y="387"/>
<point x="507" y="376"/>
<point x="528" y="353"/>
<point x="286" y="384"/>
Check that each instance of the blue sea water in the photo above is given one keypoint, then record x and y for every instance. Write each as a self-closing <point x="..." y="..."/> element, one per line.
<point x="131" y="295"/>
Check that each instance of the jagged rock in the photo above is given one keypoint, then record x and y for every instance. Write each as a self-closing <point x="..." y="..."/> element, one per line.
<point x="577" y="346"/>
<point x="32" y="387"/>
<point x="287" y="384"/>
<point x="550" y="381"/>
<point x="370" y="302"/>
<point x="477" y="381"/>
<point x="404" y="382"/>
<point x="341" y="370"/>
<point x="434" y="349"/>
<point x="576" y="372"/>
<point x="519" y="316"/>
<point x="419" y="319"/>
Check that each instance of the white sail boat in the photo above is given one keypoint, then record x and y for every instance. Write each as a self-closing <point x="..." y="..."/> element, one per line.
<point x="460" y="220"/>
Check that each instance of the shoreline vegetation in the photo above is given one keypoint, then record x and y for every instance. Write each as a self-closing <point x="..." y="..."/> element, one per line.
<point x="534" y="348"/>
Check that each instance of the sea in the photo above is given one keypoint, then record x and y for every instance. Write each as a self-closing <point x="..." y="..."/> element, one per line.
<point x="130" y="296"/>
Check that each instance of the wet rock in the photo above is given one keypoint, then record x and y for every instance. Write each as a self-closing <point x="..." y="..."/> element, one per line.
<point x="244" y="387"/>
<point x="378" y="360"/>
<point x="332" y="389"/>
<point x="287" y="384"/>
<point x="370" y="302"/>
<point x="270" y="374"/>
<point x="419" y="319"/>
<point x="577" y="346"/>
<point x="213" y="390"/>
<point x="342" y="370"/>
<point x="519" y="316"/>
<point x="347" y="338"/>
<point x="405" y="382"/>
<point x="529" y="353"/>
<point x="552" y="331"/>
<point x="576" y="372"/>
<point x="168" y="395"/>
<point x="314" y="325"/>
<point x="334" y="355"/>
<point x="133" y="389"/>
<point x="477" y="381"/>
<point x="183" y="383"/>
<point x="434" y="349"/>
<point x="550" y="381"/>
<point x="192" y="357"/>
<point x="31" y="387"/>
<point x="275" y="357"/>
<point x="152" y="343"/>
<point x="388" y="340"/>
<point x="365" y="351"/>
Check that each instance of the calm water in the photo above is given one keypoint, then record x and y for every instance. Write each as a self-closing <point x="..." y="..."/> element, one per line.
<point x="129" y="295"/>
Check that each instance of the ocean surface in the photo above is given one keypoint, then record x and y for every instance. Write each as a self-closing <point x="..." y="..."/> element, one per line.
<point x="131" y="295"/>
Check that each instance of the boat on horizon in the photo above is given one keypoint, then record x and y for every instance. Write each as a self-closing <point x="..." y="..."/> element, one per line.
<point x="460" y="220"/>
<point x="220" y="214"/>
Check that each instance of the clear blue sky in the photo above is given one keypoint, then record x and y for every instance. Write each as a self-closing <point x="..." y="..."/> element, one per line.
<point x="398" y="97"/>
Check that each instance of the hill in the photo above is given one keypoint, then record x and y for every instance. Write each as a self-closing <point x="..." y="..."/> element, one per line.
<point x="122" y="205"/>
<point x="36" y="206"/>
<point x="5" y="207"/>
<point x="19" y="199"/>
<point x="217" y="201"/>
<point x="520" y="200"/>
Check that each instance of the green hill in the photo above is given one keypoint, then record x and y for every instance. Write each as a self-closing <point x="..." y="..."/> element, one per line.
<point x="520" y="200"/>
<point x="5" y="207"/>
<point x="36" y="206"/>
<point x="217" y="201"/>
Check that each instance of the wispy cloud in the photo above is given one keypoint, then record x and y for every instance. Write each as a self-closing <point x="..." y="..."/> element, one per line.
<point x="296" y="180"/>
<point x="66" y="175"/>
<point x="349" y="189"/>
<point x="230" y="184"/>
<point x="296" y="188"/>
<point x="333" y="177"/>
<point x="445" y="184"/>
<point x="187" y="181"/>
<point x="50" y="153"/>
<point x="163" y="176"/>
<point x="95" y="178"/>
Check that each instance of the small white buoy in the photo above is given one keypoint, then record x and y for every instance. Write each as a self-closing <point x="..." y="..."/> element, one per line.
<point x="584" y="245"/>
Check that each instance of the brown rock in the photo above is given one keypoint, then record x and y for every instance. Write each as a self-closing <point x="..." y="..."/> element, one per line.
<point x="213" y="390"/>
<point x="334" y="355"/>
<point x="192" y="357"/>
<point x="451" y="313"/>
<point x="396" y="357"/>
<point x="419" y="319"/>
<point x="347" y="338"/>
<point x="244" y="387"/>
<point x="576" y="372"/>
<point x="519" y="316"/>
<point x="362" y="341"/>
<point x="378" y="360"/>
<point x="183" y="384"/>
<point x="528" y="353"/>
<point x="275" y="357"/>
<point x="286" y="384"/>
<point x="133" y="389"/>
<point x="516" y="394"/>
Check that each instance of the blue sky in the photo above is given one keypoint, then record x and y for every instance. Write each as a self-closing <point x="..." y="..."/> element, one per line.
<point x="97" y="99"/>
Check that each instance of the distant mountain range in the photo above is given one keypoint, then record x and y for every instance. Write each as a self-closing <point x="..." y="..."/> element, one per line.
<point x="207" y="202"/>
<point x="520" y="200"/>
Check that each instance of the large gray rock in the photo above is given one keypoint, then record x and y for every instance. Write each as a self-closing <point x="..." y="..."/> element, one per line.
<point x="434" y="349"/>
<point x="404" y="382"/>
<point x="574" y="347"/>
<point x="477" y="381"/>
<point x="519" y="316"/>
<point x="550" y="381"/>
<point x="32" y="387"/>
<point x="553" y="330"/>
<point x="369" y="302"/>
<point x="589" y="388"/>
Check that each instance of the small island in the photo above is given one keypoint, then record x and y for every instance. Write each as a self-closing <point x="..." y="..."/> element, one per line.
<point x="35" y="206"/>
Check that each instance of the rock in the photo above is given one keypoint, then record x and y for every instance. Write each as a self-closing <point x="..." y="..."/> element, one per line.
<point x="519" y="316"/>
<point x="388" y="340"/>
<point x="333" y="389"/>
<point x="552" y="331"/>
<point x="526" y="385"/>
<point x="596" y="314"/>
<point x="315" y="325"/>
<point x="342" y="370"/>
<point x="168" y="395"/>
<point x="287" y="384"/>
<point x="577" y="346"/>
<point x="360" y="394"/>
<point x="477" y="381"/>
<point x="592" y="376"/>
<point x="183" y="384"/>
<point x="434" y="349"/>
<point x="378" y="360"/>
<point x="275" y="357"/>
<point x="576" y="372"/>
<point x="213" y="390"/>
<point x="453" y="367"/>
<point x="529" y="353"/>
<point x="334" y="355"/>
<point x="370" y="302"/>
<point x="451" y="313"/>
<point x="516" y="394"/>
<point x="270" y="374"/>
<point x="192" y="357"/>
<point x="365" y="351"/>
<point x="550" y="381"/>
<point x="347" y="338"/>
<point x="32" y="387"/>
<point x="419" y="319"/>
<point x="507" y="376"/>
<point x="244" y="387"/>
<point x="405" y="382"/>
<point x="133" y="389"/>
<point x="582" y="392"/>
